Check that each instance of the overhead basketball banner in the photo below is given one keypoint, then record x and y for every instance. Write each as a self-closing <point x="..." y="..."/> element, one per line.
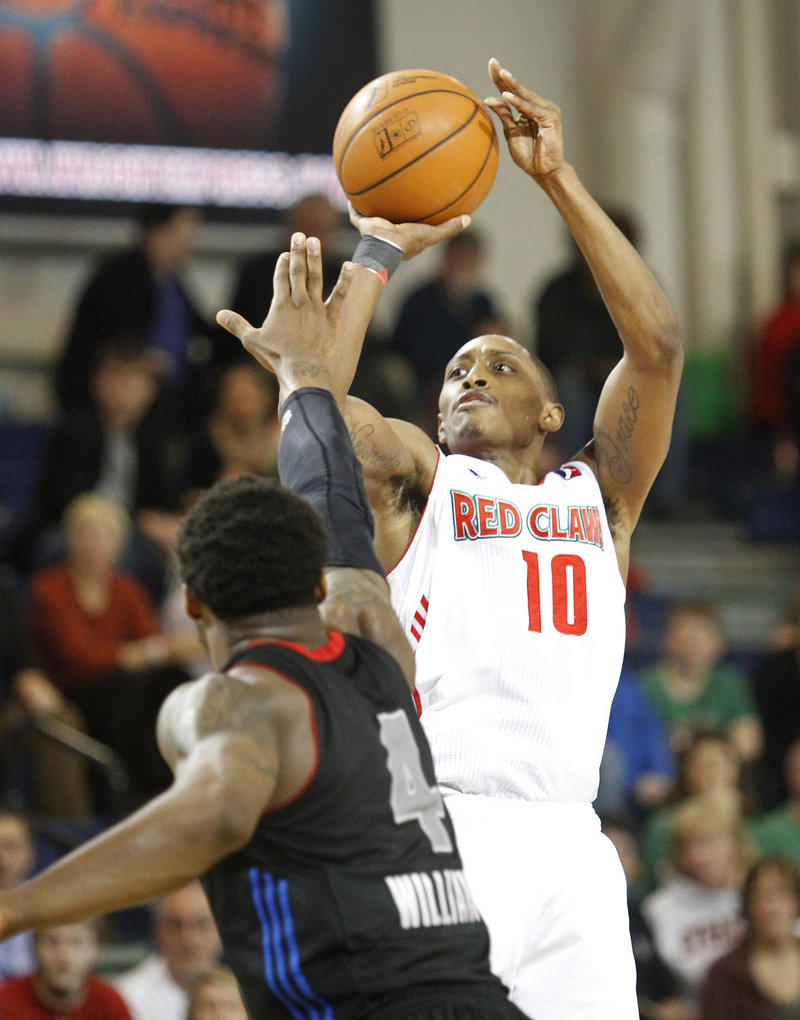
<point x="196" y="87"/>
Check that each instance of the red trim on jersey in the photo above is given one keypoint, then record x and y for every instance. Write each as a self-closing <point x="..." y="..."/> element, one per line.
<point x="439" y="456"/>
<point x="417" y="702"/>
<point x="420" y="618"/>
<point x="569" y="469"/>
<point x="332" y="649"/>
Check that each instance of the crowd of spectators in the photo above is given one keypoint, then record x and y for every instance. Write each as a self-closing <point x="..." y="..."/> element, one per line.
<point x="700" y="782"/>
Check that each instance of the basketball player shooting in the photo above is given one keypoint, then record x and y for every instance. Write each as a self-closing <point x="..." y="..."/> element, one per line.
<point x="511" y="586"/>
<point x="304" y="791"/>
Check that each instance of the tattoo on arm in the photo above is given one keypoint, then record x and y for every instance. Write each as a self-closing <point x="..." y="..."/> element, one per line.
<point x="354" y="589"/>
<point x="310" y="369"/>
<point x="628" y="416"/>
<point x="612" y="451"/>
<point x="218" y="710"/>
<point x="226" y="711"/>
<point x="258" y="765"/>
<point x="361" y="434"/>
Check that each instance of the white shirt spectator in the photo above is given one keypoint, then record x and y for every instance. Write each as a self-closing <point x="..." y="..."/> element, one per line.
<point x="150" y="992"/>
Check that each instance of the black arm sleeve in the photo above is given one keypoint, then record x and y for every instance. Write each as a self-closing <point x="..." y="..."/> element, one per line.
<point x="316" y="460"/>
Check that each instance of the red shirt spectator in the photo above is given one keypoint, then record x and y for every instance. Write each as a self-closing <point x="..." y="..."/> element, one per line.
<point x="75" y="645"/>
<point x="778" y="333"/>
<point x="18" y="1001"/>
<point x="63" y="985"/>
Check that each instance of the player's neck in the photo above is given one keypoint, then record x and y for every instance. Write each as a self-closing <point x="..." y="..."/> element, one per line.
<point x="521" y="464"/>
<point x="522" y="470"/>
<point x="300" y="625"/>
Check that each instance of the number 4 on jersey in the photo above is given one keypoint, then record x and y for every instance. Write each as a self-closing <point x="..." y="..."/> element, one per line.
<point x="412" y="799"/>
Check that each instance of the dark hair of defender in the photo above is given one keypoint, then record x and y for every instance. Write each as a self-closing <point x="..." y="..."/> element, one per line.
<point x="249" y="545"/>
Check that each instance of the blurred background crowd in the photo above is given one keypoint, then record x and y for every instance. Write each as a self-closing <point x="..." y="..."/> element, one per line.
<point x="700" y="780"/>
<point x="148" y="403"/>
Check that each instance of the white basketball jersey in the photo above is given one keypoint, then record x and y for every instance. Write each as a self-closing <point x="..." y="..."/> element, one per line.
<point x="512" y="597"/>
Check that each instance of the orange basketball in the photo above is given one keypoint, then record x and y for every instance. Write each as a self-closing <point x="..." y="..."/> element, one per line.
<point x="186" y="72"/>
<point x="415" y="146"/>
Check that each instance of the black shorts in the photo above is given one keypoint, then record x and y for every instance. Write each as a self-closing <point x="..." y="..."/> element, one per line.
<point x="479" y="1004"/>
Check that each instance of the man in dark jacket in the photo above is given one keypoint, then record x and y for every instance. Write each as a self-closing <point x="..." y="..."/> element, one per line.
<point x="139" y="293"/>
<point x="116" y="445"/>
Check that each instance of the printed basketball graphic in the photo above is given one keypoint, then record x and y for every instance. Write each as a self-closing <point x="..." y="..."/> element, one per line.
<point x="163" y="72"/>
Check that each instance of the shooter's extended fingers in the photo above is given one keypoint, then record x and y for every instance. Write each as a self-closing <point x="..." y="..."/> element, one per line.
<point x="280" y="278"/>
<point x="519" y="96"/>
<point x="314" y="268"/>
<point x="298" y="269"/>
<point x="235" y="324"/>
<point x="339" y="292"/>
<point x="246" y="334"/>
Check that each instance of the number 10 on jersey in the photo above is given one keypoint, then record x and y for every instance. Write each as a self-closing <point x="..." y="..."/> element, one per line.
<point x="568" y="580"/>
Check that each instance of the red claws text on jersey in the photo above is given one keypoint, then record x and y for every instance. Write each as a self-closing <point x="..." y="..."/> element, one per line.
<point x="487" y="517"/>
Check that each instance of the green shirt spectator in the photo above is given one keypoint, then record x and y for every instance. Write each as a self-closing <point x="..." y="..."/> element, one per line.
<point x="693" y="690"/>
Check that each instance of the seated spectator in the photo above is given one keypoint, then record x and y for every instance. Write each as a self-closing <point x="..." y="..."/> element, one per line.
<point x="692" y="688"/>
<point x="760" y="978"/>
<point x="775" y="337"/>
<point x="50" y="778"/>
<point x="442" y="315"/>
<point x="98" y="637"/>
<point x="792" y="392"/>
<point x="383" y="378"/>
<point x="776" y="688"/>
<point x="694" y="915"/>
<point x="215" y="995"/>
<point x="186" y="943"/>
<point x="785" y="632"/>
<point x="62" y="985"/>
<point x="637" y="771"/>
<point x="116" y="446"/>
<point x="241" y="433"/>
<point x="778" y="831"/>
<point x="577" y="340"/>
<point x="17" y="858"/>
<point x="711" y="768"/>
<point x="313" y="215"/>
<point x="139" y="292"/>
<point x="657" y="987"/>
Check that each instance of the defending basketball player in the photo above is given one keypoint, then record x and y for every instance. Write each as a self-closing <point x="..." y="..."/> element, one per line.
<point x="304" y="790"/>
<point x="511" y="586"/>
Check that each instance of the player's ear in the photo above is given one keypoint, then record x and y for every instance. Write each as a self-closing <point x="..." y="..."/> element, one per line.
<point x="194" y="607"/>
<point x="552" y="417"/>
<point x="440" y="432"/>
<point x="320" y="591"/>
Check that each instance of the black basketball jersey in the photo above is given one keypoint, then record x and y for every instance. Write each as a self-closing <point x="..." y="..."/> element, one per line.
<point x="350" y="901"/>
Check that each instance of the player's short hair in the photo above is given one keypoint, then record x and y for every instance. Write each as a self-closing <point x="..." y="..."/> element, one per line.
<point x="550" y="388"/>
<point x="249" y="545"/>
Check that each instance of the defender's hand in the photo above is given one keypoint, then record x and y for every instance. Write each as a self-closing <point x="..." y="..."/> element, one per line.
<point x="297" y="340"/>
